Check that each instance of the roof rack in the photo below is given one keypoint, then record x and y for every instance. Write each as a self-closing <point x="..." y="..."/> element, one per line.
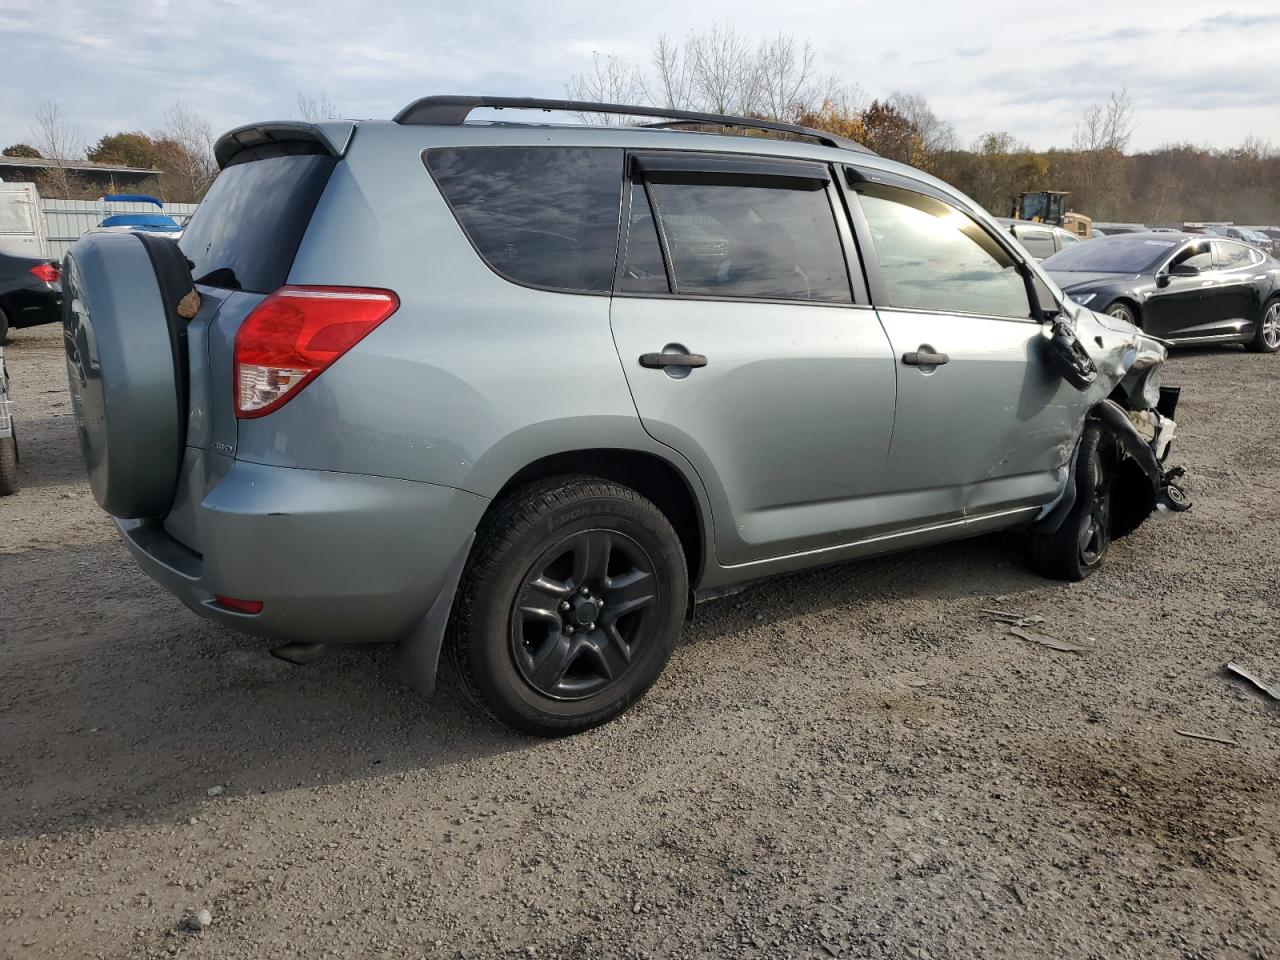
<point x="454" y="110"/>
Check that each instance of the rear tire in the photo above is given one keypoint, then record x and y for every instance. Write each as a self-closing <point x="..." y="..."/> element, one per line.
<point x="1079" y="546"/>
<point x="8" y="466"/>
<point x="570" y="605"/>
<point x="1266" y="337"/>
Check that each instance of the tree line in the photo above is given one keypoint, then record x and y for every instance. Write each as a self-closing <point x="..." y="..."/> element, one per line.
<point x="724" y="70"/>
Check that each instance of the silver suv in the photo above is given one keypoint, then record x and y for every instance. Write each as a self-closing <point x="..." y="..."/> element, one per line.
<point x="524" y="392"/>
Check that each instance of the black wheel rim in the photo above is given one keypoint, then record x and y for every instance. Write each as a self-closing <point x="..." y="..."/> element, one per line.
<point x="584" y="614"/>
<point x="1096" y="531"/>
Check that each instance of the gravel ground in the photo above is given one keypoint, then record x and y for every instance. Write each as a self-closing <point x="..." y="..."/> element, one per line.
<point x="845" y="763"/>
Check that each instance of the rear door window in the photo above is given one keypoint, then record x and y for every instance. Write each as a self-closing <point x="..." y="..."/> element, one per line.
<point x="246" y="231"/>
<point x="539" y="216"/>
<point x="1229" y="256"/>
<point x="933" y="256"/>
<point x="756" y="242"/>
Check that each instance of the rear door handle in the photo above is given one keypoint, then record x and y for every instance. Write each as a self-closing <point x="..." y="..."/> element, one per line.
<point x="656" y="361"/>
<point x="923" y="358"/>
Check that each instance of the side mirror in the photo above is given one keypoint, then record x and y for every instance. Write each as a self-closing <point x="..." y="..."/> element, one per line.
<point x="1046" y="303"/>
<point x="1162" y="279"/>
<point x="1184" y="270"/>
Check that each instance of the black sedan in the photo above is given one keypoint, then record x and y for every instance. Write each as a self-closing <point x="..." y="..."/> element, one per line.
<point x="1182" y="287"/>
<point x="30" y="293"/>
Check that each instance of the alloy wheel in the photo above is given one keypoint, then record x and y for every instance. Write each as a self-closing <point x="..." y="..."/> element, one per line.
<point x="1096" y="532"/>
<point x="584" y="614"/>
<point x="1271" y="326"/>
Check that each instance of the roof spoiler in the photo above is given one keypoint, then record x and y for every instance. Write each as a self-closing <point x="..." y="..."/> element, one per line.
<point x="279" y="138"/>
<point x="454" y="110"/>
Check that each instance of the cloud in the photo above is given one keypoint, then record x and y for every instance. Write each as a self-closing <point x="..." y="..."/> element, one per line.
<point x="1234" y="21"/>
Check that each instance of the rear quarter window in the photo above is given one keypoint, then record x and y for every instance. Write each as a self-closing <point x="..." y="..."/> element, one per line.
<point x="539" y="216"/>
<point x="246" y="231"/>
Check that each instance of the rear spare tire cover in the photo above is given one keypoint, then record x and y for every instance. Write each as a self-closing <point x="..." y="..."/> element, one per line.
<point x="127" y="366"/>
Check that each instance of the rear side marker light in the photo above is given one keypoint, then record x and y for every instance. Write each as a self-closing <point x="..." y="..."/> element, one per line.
<point x="292" y="336"/>
<point x="239" y="606"/>
<point x="48" y="272"/>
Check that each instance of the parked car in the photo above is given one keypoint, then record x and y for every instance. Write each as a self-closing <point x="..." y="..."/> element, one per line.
<point x="30" y="293"/>
<point x="1272" y="233"/>
<point x="1116" y="229"/>
<point x="1182" y="288"/>
<point x="8" y="436"/>
<point x="530" y="391"/>
<point x="1039" y="239"/>
<point x="1252" y="237"/>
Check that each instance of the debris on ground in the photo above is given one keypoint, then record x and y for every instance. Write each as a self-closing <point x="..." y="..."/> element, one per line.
<point x="197" y="920"/>
<point x="1053" y="643"/>
<point x="1271" y="691"/>
<point x="1205" y="736"/>
<point x="215" y="790"/>
<point x="1013" y="619"/>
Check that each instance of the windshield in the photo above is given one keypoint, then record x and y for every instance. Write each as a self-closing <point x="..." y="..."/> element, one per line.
<point x="1135" y="253"/>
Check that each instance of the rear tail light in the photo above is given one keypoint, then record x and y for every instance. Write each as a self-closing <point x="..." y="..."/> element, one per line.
<point x="291" y="337"/>
<point x="48" y="272"/>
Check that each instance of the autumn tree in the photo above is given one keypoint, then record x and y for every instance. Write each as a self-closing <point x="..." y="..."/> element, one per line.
<point x="127" y="148"/>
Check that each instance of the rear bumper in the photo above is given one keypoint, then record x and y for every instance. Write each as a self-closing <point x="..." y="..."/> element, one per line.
<point x="34" y="304"/>
<point x="333" y="557"/>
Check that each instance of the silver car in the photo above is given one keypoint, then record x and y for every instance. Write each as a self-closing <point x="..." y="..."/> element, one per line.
<point x="525" y="392"/>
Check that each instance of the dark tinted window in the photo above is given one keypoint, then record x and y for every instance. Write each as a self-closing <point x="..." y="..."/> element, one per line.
<point x="1228" y="256"/>
<point x="1135" y="253"/>
<point x="934" y="257"/>
<point x="543" y="216"/>
<point x="246" y="231"/>
<point x="749" y="241"/>
<point x="642" y="268"/>
<point x="1039" y="243"/>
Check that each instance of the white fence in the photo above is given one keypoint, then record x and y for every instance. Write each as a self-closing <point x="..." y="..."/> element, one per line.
<point x="68" y="220"/>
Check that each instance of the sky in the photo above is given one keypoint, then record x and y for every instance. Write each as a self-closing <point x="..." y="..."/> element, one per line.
<point x="1195" y="71"/>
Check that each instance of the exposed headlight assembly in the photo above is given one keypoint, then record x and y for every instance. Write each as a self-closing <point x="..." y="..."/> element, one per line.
<point x="1084" y="299"/>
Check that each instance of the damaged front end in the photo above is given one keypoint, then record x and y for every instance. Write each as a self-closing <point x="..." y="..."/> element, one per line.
<point x="1119" y="368"/>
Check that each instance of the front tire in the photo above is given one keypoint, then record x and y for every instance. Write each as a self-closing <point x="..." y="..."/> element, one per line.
<point x="1123" y="311"/>
<point x="570" y="605"/>
<point x="1076" y="550"/>
<point x="1266" y="338"/>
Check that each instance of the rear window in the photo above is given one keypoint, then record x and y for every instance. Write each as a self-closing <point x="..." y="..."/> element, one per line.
<point x="539" y="216"/>
<point x="246" y="231"/>
<point x="1135" y="253"/>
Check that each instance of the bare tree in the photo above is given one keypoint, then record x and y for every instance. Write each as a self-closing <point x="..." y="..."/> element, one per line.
<point x="610" y="79"/>
<point x="725" y="78"/>
<point x="936" y="135"/>
<point x="784" y="77"/>
<point x="58" y="140"/>
<point x="316" y="106"/>
<point x="185" y="146"/>
<point x="1106" y="126"/>
<point x="675" y="74"/>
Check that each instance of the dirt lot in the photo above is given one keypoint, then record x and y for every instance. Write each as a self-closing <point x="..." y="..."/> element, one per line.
<point x="845" y="763"/>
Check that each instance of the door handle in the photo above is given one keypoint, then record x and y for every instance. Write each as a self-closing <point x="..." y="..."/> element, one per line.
<point x="656" y="361"/>
<point x="923" y="358"/>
